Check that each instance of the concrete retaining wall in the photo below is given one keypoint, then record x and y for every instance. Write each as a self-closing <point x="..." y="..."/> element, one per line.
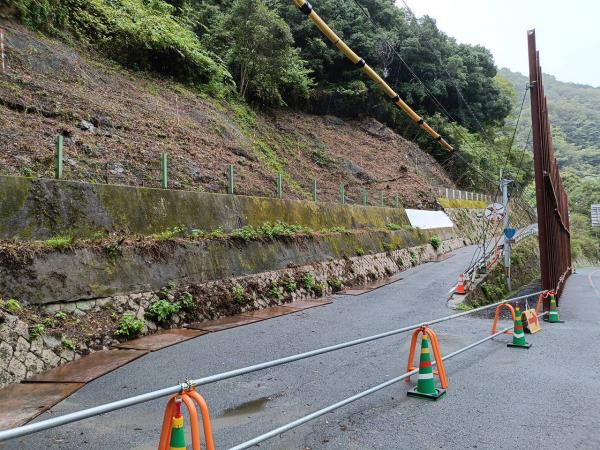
<point x="41" y="208"/>
<point x="48" y="276"/>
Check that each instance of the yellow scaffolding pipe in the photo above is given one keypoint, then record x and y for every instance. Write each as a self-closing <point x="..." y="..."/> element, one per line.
<point x="307" y="9"/>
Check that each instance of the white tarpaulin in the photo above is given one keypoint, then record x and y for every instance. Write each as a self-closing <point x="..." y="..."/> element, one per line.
<point x="428" y="219"/>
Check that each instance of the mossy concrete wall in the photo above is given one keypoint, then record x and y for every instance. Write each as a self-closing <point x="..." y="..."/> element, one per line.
<point x="88" y="272"/>
<point x="41" y="208"/>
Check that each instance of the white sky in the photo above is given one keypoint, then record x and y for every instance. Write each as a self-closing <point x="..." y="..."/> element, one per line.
<point x="567" y="32"/>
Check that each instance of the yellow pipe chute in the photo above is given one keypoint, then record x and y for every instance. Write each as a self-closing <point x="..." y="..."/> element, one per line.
<point x="307" y="9"/>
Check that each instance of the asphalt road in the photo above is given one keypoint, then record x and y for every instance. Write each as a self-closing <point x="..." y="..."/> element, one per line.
<point x="545" y="397"/>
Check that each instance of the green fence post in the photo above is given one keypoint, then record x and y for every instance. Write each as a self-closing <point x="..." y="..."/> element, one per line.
<point x="382" y="204"/>
<point x="279" y="186"/>
<point x="230" y="179"/>
<point x="342" y="194"/>
<point x="396" y="201"/>
<point x="164" y="171"/>
<point x="364" y="197"/>
<point x="58" y="156"/>
<point x="314" y="190"/>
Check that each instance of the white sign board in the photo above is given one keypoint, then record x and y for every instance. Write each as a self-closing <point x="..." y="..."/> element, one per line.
<point x="596" y="215"/>
<point x="427" y="220"/>
<point x="494" y="211"/>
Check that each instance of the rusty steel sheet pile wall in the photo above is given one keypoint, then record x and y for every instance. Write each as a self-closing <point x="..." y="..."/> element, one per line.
<point x="552" y="203"/>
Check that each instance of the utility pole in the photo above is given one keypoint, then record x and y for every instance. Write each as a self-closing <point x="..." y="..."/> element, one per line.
<point x="504" y="185"/>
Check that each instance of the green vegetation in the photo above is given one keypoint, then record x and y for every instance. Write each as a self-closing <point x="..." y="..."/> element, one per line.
<point x="67" y="343"/>
<point x="436" y="242"/>
<point x="162" y="311"/>
<point x="269" y="231"/>
<point x="308" y="281"/>
<point x="335" y="283"/>
<point x="129" y="326"/>
<point x="238" y="294"/>
<point x="268" y="54"/>
<point x="359" y="251"/>
<point x="186" y="302"/>
<point x="320" y="288"/>
<point x="276" y="292"/>
<point x="290" y="286"/>
<point x="393" y="226"/>
<point x="171" y="233"/>
<point x="59" y="242"/>
<point x="11" y="305"/>
<point x="217" y="233"/>
<point x="336" y="230"/>
<point x="37" y="330"/>
<point x="60" y="315"/>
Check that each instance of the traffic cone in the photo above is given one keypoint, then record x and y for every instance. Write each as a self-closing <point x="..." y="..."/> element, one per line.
<point x="518" y="333"/>
<point x="177" y="433"/>
<point x="460" y="287"/>
<point x="426" y="385"/>
<point x="553" y="315"/>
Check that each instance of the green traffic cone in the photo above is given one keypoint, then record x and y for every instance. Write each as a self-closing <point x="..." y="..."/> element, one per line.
<point x="426" y="385"/>
<point x="518" y="333"/>
<point x="553" y="315"/>
<point x="177" y="433"/>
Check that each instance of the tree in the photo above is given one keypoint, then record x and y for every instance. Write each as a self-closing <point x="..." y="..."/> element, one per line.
<point x="260" y="54"/>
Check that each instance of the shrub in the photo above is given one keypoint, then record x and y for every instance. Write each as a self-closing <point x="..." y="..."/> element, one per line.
<point x="129" y="326"/>
<point x="186" y="302"/>
<point x="335" y="283"/>
<point x="320" y="288"/>
<point x="308" y="281"/>
<point x="238" y="294"/>
<point x="162" y="311"/>
<point x="247" y="233"/>
<point x="290" y="286"/>
<point x="59" y="242"/>
<point x="276" y="292"/>
<point x="137" y="33"/>
<point x="217" y="233"/>
<point x="389" y="246"/>
<point x="37" y="330"/>
<point x="436" y="242"/>
<point x="413" y="258"/>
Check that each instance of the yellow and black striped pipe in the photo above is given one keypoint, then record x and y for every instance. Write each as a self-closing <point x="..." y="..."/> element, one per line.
<point x="307" y="9"/>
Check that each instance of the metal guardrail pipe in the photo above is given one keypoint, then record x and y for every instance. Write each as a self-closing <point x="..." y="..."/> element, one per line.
<point x="131" y="401"/>
<point x="307" y="9"/>
<point x="319" y="413"/>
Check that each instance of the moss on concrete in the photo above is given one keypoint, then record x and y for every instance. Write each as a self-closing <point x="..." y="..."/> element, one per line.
<point x="455" y="203"/>
<point x="44" y="208"/>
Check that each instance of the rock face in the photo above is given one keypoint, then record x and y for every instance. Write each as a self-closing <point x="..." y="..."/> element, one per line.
<point x="22" y="356"/>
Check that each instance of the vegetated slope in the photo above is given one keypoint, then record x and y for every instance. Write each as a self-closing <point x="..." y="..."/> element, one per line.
<point x="575" y="117"/>
<point x="116" y="122"/>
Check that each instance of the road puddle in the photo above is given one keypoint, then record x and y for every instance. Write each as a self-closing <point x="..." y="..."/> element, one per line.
<point x="241" y="413"/>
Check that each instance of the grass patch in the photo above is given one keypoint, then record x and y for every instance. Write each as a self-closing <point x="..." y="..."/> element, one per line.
<point x="59" y="242"/>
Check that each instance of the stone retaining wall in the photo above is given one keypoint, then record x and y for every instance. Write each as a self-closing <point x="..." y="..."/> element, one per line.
<point x="21" y="356"/>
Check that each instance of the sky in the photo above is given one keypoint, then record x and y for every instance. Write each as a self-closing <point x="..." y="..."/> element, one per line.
<point x="567" y="32"/>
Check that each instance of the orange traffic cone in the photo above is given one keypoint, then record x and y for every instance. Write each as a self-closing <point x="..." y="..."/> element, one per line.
<point x="460" y="287"/>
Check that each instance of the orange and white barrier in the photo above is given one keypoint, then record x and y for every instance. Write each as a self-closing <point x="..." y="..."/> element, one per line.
<point x="435" y="346"/>
<point x="190" y="398"/>
<point x="497" y="316"/>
